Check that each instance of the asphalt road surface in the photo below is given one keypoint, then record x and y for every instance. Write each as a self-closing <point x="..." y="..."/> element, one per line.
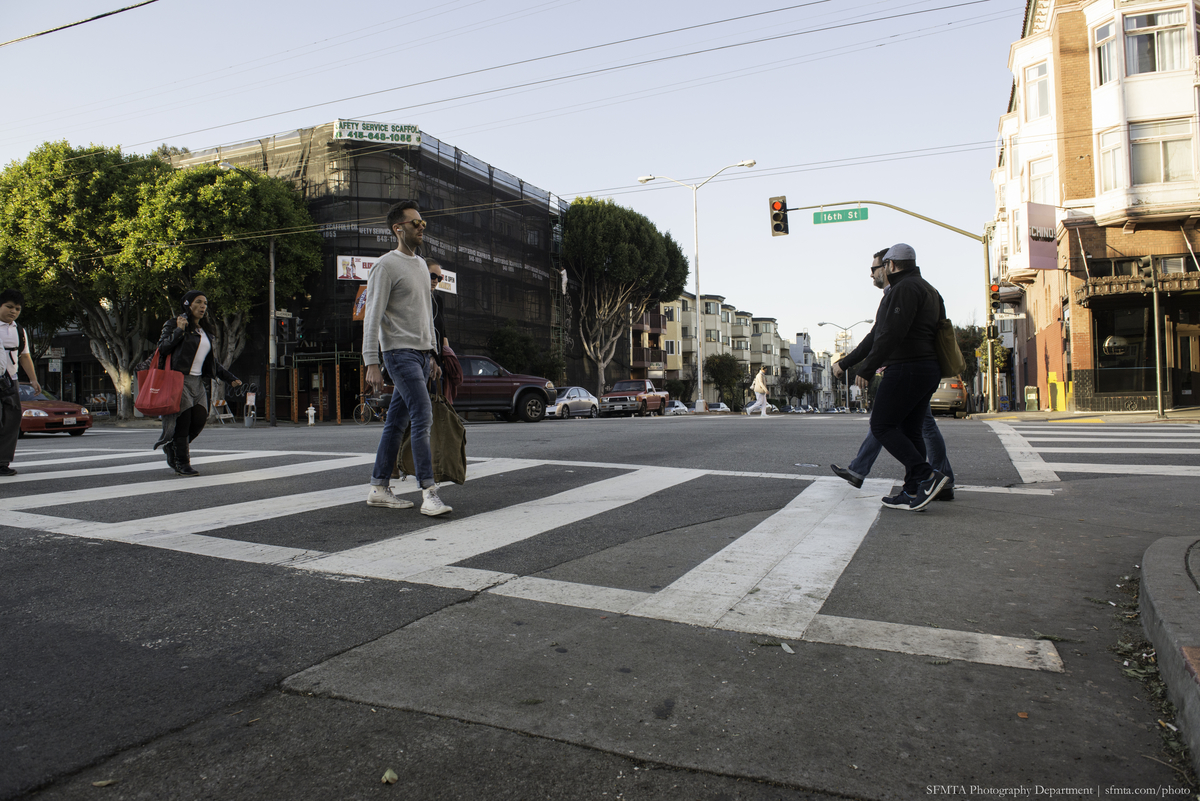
<point x="662" y="608"/>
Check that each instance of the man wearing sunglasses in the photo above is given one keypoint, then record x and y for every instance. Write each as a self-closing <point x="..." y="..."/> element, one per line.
<point x="868" y="452"/>
<point x="398" y="319"/>
<point x="903" y="341"/>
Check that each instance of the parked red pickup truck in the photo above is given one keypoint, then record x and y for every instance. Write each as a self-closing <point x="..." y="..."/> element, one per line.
<point x="634" y="397"/>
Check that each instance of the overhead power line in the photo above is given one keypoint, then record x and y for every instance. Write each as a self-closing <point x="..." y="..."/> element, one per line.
<point x="81" y="22"/>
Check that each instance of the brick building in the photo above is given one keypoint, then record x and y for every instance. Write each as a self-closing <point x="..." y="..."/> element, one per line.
<point x="1097" y="205"/>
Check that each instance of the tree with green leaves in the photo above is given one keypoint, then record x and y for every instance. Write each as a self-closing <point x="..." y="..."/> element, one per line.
<point x="623" y="265"/>
<point x="798" y="387"/>
<point x="64" y="215"/>
<point x="512" y="348"/>
<point x="212" y="229"/>
<point x="726" y="372"/>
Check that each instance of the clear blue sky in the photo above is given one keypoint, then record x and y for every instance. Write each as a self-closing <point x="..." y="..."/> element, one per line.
<point x="836" y="100"/>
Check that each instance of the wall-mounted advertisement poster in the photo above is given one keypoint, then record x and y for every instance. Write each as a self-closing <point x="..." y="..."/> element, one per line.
<point x="355" y="268"/>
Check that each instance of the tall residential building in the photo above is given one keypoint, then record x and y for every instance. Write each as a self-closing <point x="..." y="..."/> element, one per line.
<point x="1096" y="193"/>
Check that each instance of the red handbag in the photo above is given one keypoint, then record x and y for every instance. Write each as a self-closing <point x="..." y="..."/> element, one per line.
<point x="159" y="389"/>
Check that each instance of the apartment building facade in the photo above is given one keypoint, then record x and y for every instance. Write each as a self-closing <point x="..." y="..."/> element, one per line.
<point x="665" y="344"/>
<point x="1097" y="203"/>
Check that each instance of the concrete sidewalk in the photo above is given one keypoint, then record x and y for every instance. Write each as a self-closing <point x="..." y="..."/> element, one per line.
<point x="1190" y="414"/>
<point x="1169" y="600"/>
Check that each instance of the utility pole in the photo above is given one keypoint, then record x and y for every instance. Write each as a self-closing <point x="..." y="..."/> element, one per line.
<point x="272" y="351"/>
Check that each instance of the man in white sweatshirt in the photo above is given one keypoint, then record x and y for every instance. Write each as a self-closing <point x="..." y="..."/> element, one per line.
<point x="398" y="319"/>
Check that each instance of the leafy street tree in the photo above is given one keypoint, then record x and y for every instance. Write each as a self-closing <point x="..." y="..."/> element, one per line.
<point x="623" y="265"/>
<point x="511" y="347"/>
<point x="63" y="220"/>
<point x="211" y="229"/>
<point x="798" y="387"/>
<point x="725" y="371"/>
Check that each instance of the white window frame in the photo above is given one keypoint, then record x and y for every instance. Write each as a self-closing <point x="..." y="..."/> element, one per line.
<point x="1108" y="67"/>
<point x="1110" y="146"/>
<point x="1037" y="91"/>
<point x="669" y="347"/>
<point x="1041" y="181"/>
<point x="1157" y="34"/>
<point x="1149" y="147"/>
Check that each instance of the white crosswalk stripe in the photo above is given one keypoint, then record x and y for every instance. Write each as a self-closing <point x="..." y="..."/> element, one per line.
<point x="1026" y="442"/>
<point x="771" y="580"/>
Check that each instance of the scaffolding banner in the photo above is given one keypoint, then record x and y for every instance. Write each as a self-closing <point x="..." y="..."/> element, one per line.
<point x="392" y="132"/>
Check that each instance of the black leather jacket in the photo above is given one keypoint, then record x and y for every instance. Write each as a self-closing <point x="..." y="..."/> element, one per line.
<point x="181" y="347"/>
<point x="905" y="325"/>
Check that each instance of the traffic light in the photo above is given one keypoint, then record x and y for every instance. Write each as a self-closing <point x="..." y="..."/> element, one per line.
<point x="299" y="328"/>
<point x="282" y="330"/>
<point x="992" y="332"/>
<point x="994" y="295"/>
<point x="1147" y="272"/>
<point x="779" y="221"/>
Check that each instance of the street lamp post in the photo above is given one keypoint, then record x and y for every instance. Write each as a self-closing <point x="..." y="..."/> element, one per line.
<point x="846" y="375"/>
<point x="700" y="402"/>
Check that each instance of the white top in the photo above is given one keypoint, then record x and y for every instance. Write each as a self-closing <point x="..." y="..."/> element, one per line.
<point x="202" y="351"/>
<point x="10" y="340"/>
<point x="398" y="313"/>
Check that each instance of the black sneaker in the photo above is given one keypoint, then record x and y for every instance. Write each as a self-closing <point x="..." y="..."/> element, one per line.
<point x="928" y="489"/>
<point x="7" y="471"/>
<point x="901" y="500"/>
<point x="841" y="472"/>
<point x="946" y="495"/>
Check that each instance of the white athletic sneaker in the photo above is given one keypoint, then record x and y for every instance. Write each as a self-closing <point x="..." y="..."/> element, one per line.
<point x="381" y="495"/>
<point x="432" y="504"/>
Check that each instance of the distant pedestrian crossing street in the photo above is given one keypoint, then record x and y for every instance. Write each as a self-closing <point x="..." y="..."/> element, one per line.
<point x="1042" y="451"/>
<point x="770" y="579"/>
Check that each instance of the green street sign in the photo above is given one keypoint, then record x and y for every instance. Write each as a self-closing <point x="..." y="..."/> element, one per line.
<point x="842" y="215"/>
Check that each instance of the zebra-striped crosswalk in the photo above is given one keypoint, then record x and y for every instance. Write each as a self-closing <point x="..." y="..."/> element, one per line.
<point x="1041" y="451"/>
<point x="772" y="579"/>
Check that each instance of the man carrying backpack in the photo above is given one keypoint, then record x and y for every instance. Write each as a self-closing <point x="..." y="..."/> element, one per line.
<point x="15" y="344"/>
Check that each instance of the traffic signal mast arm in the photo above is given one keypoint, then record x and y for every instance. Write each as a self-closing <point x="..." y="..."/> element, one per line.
<point x="976" y="237"/>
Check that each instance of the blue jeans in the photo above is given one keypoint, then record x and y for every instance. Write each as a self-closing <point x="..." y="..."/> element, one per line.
<point x="409" y="370"/>
<point x="935" y="450"/>
<point x="901" y="405"/>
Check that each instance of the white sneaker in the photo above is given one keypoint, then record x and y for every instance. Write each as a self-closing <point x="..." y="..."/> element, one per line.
<point x="432" y="504"/>
<point x="381" y="495"/>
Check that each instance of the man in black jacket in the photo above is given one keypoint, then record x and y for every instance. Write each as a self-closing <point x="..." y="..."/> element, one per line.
<point x="902" y="340"/>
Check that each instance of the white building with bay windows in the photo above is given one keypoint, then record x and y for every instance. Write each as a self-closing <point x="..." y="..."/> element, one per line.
<point x="1097" y="203"/>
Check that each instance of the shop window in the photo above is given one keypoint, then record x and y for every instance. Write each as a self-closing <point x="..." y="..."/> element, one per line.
<point x="1124" y="339"/>
<point x="1162" y="151"/>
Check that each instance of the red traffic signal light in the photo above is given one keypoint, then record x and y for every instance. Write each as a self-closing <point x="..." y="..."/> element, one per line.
<point x="994" y="295"/>
<point x="779" y="218"/>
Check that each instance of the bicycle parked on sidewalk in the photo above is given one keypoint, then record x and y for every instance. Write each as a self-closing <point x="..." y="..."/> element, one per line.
<point x="372" y="407"/>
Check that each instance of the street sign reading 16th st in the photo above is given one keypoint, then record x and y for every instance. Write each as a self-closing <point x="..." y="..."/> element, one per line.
<point x="842" y="215"/>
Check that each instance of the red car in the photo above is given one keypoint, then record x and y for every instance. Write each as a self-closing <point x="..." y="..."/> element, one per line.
<point x="42" y="413"/>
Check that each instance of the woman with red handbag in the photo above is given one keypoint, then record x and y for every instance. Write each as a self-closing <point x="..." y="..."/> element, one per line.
<point x="187" y="339"/>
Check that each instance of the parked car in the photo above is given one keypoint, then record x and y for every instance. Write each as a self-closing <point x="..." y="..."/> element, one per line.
<point x="488" y="387"/>
<point x="573" y="402"/>
<point x="950" y="397"/>
<point x="42" y="413"/>
<point x="718" y="407"/>
<point x="676" y="407"/>
<point x="635" y="396"/>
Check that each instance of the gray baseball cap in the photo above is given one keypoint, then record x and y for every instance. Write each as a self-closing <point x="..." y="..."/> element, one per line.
<point x="900" y="251"/>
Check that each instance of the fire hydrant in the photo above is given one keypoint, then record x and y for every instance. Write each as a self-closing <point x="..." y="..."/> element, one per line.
<point x="312" y="415"/>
